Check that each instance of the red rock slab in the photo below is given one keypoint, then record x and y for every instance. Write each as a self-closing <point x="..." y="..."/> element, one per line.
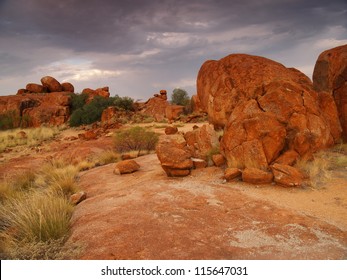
<point x="146" y="215"/>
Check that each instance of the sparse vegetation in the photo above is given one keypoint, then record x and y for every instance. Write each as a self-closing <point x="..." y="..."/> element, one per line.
<point x="35" y="211"/>
<point x="135" y="139"/>
<point x="29" y="136"/>
<point x="83" y="113"/>
<point x="126" y="103"/>
<point x="78" y="101"/>
<point x="319" y="169"/>
<point x="9" y="120"/>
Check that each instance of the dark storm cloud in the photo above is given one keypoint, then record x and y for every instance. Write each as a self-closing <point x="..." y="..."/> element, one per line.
<point x="163" y="39"/>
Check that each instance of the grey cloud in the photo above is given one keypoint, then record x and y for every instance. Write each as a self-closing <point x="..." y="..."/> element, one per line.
<point x="166" y="39"/>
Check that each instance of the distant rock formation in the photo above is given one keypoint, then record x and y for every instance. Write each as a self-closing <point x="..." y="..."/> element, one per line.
<point x="159" y="108"/>
<point x="33" y="110"/>
<point x="103" y="92"/>
<point x="48" y="85"/>
<point x="330" y="77"/>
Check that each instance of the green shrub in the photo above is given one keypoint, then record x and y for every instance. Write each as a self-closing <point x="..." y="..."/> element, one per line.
<point x="125" y="103"/>
<point x="135" y="139"/>
<point x="90" y="112"/>
<point x="78" y="101"/>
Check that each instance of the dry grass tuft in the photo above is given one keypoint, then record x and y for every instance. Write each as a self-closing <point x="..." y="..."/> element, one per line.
<point x="319" y="170"/>
<point x="35" y="212"/>
<point x="31" y="136"/>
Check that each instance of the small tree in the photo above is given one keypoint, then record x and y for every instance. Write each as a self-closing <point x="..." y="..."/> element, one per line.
<point x="180" y="97"/>
<point x="135" y="139"/>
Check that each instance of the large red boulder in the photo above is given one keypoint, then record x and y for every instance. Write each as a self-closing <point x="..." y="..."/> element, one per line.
<point x="330" y="75"/>
<point x="51" y="84"/>
<point x="266" y="109"/>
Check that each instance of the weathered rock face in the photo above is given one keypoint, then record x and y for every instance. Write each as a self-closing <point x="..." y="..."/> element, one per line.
<point x="202" y="140"/>
<point x="330" y="75"/>
<point x="266" y="109"/>
<point x="49" y="85"/>
<point x="174" y="156"/>
<point x="195" y="104"/>
<point x="225" y="84"/>
<point x="32" y="110"/>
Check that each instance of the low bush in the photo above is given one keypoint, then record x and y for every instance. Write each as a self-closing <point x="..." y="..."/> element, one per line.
<point x="135" y="139"/>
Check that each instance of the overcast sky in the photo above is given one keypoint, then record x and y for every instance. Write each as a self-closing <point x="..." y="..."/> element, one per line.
<point x="137" y="47"/>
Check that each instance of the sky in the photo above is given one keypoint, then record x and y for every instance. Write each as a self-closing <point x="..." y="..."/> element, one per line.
<point x="138" y="47"/>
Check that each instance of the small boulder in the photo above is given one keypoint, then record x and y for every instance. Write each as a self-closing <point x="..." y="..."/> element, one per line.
<point x="256" y="176"/>
<point x="51" y="84"/>
<point x="199" y="163"/>
<point x="78" y="197"/>
<point x="287" y="175"/>
<point x="171" y="130"/>
<point x="126" y="166"/>
<point x="218" y="160"/>
<point x="232" y="173"/>
<point x="90" y="135"/>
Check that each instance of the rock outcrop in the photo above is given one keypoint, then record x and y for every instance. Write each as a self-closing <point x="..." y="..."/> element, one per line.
<point x="155" y="106"/>
<point x="266" y="110"/>
<point x="330" y="79"/>
<point x="33" y="110"/>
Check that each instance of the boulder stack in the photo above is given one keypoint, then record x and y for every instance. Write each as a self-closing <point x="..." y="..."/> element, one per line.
<point x="270" y="114"/>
